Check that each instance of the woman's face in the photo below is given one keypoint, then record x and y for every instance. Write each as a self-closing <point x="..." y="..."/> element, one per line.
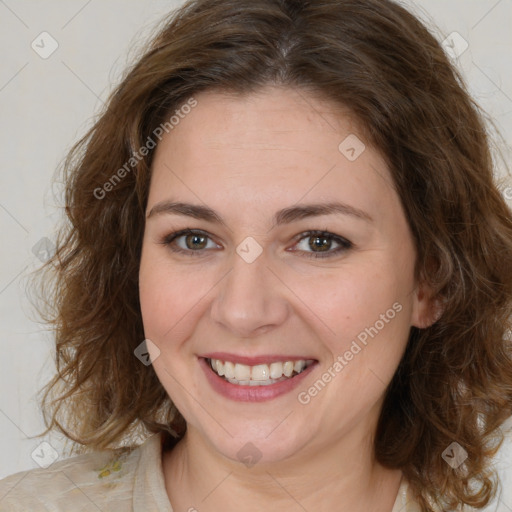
<point x="300" y="256"/>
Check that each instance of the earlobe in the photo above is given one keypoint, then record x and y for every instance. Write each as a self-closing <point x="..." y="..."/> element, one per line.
<point x="427" y="310"/>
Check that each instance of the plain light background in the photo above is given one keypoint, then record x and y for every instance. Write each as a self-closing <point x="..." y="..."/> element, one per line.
<point x="46" y="104"/>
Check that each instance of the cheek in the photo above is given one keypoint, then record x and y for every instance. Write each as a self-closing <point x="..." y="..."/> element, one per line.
<point x="170" y="296"/>
<point x="355" y="295"/>
<point x="365" y="314"/>
<point x="341" y="302"/>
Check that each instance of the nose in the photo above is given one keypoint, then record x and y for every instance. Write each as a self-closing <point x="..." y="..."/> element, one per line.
<point x="250" y="299"/>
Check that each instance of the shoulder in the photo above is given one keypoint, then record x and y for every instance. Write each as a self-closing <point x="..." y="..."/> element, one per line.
<point x="94" y="481"/>
<point x="502" y="464"/>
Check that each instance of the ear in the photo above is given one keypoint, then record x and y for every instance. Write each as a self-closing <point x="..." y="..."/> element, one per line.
<point x="426" y="308"/>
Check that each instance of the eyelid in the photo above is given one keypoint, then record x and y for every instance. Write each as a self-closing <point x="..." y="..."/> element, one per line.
<point x="344" y="243"/>
<point x="167" y="240"/>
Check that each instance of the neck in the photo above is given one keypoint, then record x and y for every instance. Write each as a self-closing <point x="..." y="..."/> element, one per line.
<point x="343" y="476"/>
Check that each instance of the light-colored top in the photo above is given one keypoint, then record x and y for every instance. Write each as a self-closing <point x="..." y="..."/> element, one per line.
<point x="123" y="481"/>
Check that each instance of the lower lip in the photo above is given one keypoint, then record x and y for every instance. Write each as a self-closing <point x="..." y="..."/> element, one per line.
<point x="251" y="393"/>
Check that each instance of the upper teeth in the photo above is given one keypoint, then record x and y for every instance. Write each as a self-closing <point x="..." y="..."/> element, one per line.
<point x="259" y="372"/>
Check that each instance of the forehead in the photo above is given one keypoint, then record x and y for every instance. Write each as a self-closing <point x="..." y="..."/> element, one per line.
<point x="277" y="145"/>
<point x="272" y="116"/>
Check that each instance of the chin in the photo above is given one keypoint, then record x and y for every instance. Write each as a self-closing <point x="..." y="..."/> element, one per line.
<point x="259" y="443"/>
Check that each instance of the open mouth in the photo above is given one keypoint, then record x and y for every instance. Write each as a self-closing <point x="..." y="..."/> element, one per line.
<point x="260" y="374"/>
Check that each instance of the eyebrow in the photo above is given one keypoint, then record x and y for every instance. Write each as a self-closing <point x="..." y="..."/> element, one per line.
<point x="284" y="216"/>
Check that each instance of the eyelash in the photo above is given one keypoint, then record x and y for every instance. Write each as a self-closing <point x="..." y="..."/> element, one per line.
<point x="343" y="242"/>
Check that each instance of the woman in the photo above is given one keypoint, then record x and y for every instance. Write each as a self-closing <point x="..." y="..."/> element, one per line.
<point x="288" y="264"/>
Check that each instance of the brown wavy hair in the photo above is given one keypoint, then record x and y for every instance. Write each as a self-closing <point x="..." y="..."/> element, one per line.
<point x="375" y="58"/>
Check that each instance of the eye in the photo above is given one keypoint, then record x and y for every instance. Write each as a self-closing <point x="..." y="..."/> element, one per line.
<point x="193" y="242"/>
<point x="321" y="243"/>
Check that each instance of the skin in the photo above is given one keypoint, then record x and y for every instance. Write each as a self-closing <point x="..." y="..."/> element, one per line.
<point x="247" y="157"/>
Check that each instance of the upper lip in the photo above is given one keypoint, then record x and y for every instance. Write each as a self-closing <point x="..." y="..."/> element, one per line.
<point x="255" y="360"/>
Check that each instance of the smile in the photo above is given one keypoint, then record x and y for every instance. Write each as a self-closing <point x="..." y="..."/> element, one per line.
<point x="260" y="374"/>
